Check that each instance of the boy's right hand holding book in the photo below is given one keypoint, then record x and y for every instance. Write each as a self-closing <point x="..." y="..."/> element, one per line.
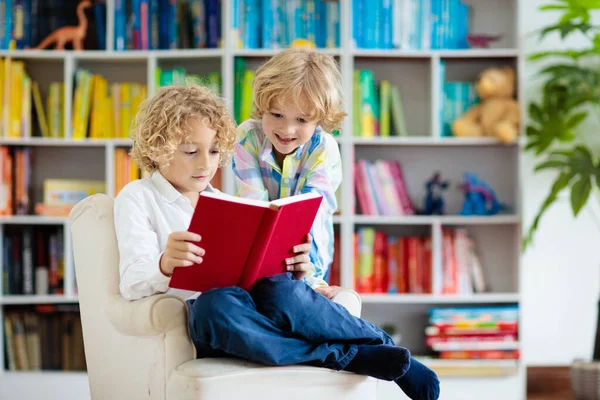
<point x="179" y="252"/>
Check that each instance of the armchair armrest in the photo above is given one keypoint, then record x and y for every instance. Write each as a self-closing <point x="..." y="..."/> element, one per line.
<point x="350" y="300"/>
<point x="163" y="316"/>
<point x="150" y="316"/>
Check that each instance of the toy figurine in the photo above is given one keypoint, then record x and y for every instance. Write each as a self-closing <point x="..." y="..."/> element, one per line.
<point x="74" y="34"/>
<point x="480" y="198"/>
<point x="434" y="202"/>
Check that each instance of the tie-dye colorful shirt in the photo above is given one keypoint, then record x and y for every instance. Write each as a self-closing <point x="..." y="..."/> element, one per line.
<point x="315" y="166"/>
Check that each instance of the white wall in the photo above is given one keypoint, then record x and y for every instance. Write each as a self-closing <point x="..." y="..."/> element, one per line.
<point x="561" y="271"/>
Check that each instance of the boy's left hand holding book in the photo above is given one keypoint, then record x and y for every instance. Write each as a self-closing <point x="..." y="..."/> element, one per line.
<point x="300" y="264"/>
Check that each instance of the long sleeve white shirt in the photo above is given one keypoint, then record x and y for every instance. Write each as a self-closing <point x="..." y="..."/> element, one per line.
<point x="146" y="211"/>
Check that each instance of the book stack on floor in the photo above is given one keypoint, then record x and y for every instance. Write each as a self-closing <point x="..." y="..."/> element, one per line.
<point x="472" y="333"/>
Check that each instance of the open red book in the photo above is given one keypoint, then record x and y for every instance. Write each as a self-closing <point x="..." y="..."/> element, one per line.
<point x="245" y="240"/>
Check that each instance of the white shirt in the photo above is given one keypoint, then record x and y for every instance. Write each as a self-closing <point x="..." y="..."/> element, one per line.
<point x="146" y="212"/>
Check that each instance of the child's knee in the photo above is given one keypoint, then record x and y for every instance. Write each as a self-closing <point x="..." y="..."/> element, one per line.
<point x="218" y="303"/>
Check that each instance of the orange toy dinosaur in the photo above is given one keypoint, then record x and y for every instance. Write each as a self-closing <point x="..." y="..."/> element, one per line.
<point x="74" y="34"/>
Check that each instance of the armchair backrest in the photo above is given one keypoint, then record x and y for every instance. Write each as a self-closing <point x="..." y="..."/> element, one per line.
<point x="119" y="366"/>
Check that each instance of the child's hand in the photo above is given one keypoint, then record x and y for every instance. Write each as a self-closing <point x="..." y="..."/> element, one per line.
<point x="300" y="264"/>
<point x="179" y="252"/>
<point x="328" y="291"/>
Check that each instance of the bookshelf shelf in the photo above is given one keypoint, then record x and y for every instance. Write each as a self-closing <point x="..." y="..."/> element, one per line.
<point x="471" y="53"/>
<point x="33" y="220"/>
<point x="424" y="141"/>
<point x="271" y="52"/>
<point x="483" y="298"/>
<point x="47" y="299"/>
<point x="433" y="220"/>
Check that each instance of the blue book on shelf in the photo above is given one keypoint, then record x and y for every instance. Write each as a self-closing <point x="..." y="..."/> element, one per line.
<point x="100" y="19"/>
<point x="358" y="23"/>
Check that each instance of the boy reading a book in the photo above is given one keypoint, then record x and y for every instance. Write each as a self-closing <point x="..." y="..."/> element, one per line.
<point x="182" y="135"/>
<point x="286" y="149"/>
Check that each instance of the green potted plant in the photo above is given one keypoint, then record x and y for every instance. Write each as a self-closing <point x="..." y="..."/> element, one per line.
<point x="560" y="122"/>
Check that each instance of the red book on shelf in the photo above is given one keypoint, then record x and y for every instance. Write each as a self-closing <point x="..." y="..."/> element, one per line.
<point x="245" y="240"/>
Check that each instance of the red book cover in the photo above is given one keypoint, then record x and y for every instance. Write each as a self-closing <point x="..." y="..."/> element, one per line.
<point x="244" y="240"/>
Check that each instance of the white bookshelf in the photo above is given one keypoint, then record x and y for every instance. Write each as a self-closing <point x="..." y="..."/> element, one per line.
<point x="421" y="153"/>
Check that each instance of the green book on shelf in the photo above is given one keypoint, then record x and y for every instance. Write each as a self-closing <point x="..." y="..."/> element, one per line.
<point x="384" y="108"/>
<point x="398" y="113"/>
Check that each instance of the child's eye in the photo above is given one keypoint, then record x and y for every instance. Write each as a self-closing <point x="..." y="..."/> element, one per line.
<point x="215" y="151"/>
<point x="301" y="120"/>
<point x="276" y="115"/>
<point x="190" y="153"/>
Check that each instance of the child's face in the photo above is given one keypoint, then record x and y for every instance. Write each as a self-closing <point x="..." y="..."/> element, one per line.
<point x="195" y="162"/>
<point x="287" y="127"/>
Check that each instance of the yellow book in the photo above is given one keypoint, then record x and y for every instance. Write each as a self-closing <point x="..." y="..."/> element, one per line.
<point x="17" y="70"/>
<point x="58" y="192"/>
<point x="26" y="107"/>
<point x="6" y="97"/>
<point x="246" y="98"/>
<point x="125" y="109"/>
<point x="116" y="109"/>
<point x="39" y="109"/>
<point x="86" y="101"/>
<point x="384" y="108"/>
<point x="77" y="102"/>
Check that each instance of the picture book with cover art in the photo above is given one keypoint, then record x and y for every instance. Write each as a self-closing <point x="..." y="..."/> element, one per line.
<point x="245" y="240"/>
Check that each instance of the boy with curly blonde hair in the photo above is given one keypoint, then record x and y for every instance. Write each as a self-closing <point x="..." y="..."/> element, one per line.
<point x="286" y="149"/>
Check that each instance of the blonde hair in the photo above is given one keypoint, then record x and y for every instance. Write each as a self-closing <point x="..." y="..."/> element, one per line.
<point x="161" y="124"/>
<point x="301" y="74"/>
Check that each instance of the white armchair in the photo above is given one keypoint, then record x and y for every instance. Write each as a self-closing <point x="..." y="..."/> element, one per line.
<point x="142" y="350"/>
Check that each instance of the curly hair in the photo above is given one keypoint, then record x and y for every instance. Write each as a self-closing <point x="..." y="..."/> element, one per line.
<point x="161" y="124"/>
<point x="303" y="75"/>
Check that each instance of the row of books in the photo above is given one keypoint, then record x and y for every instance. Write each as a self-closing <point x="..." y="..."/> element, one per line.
<point x="462" y="271"/>
<point x="19" y="94"/>
<point x="410" y="24"/>
<point x="377" y="107"/>
<point x="457" y="97"/>
<point x="385" y="263"/>
<point x="401" y="264"/>
<point x="25" y="23"/>
<point x="32" y="260"/>
<point x="103" y="111"/>
<point x="44" y="337"/>
<point x="167" y="24"/>
<point x="179" y="76"/>
<point x="381" y="189"/>
<point x="270" y="24"/>
<point x="474" y="333"/>
<point x="125" y="169"/>
<point x="15" y="181"/>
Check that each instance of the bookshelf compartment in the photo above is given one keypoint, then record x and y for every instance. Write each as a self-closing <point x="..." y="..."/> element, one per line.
<point x="87" y="163"/>
<point x="497" y="248"/>
<point x="45" y="337"/>
<point x="496" y="165"/>
<point x="33" y="259"/>
<point x="412" y="76"/>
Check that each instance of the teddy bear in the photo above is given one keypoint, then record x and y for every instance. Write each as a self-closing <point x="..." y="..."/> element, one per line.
<point x="497" y="113"/>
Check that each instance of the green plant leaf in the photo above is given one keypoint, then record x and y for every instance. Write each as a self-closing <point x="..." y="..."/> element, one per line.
<point x="550" y="164"/>
<point x="536" y="113"/>
<point x="553" y="7"/>
<point x="576" y="119"/>
<point x="580" y="192"/>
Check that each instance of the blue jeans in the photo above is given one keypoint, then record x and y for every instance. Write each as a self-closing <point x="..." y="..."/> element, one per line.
<point x="281" y="321"/>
